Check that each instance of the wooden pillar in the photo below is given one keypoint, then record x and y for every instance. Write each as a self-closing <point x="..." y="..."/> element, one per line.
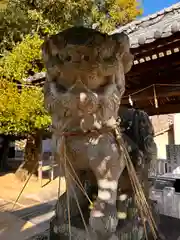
<point x="40" y="172"/>
<point x="4" y="151"/>
<point x="177" y="128"/>
<point x="51" y="171"/>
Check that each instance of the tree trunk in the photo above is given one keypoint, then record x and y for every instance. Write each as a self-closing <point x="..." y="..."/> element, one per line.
<point x="4" y="153"/>
<point x="31" y="157"/>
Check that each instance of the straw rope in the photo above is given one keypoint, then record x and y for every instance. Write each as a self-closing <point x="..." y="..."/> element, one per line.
<point x="142" y="204"/>
<point x="140" y="199"/>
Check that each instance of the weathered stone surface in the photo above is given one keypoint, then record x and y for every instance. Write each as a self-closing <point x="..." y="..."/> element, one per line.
<point x="83" y="90"/>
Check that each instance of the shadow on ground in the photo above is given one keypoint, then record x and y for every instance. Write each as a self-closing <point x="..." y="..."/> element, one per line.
<point x="24" y="223"/>
<point x="33" y="223"/>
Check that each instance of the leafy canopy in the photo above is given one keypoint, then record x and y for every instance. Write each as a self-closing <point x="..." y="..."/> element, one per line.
<point x="21" y="110"/>
<point x="21" y="107"/>
<point x="25" y="59"/>
<point x="17" y="20"/>
<point x="22" y="17"/>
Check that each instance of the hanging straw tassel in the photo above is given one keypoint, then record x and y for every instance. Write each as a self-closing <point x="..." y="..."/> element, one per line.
<point x="67" y="185"/>
<point x="155" y="97"/>
<point x="142" y="204"/>
<point x="130" y="100"/>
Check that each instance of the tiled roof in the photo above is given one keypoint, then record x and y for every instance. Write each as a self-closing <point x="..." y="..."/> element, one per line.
<point x="158" y="25"/>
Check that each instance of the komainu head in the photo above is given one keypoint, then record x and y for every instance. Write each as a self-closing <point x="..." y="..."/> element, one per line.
<point x="85" y="73"/>
<point x="85" y="54"/>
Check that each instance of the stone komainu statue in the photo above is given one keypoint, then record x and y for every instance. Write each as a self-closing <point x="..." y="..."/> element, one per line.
<point x="138" y="134"/>
<point x="83" y="90"/>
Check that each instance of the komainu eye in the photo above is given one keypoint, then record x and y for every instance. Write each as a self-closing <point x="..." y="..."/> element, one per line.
<point x="104" y="85"/>
<point x="109" y="59"/>
<point x="61" y="88"/>
<point x="85" y="58"/>
<point x="68" y="58"/>
<point x="56" y="60"/>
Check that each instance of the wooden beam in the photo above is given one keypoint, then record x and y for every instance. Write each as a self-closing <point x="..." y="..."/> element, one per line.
<point x="156" y="50"/>
<point x="163" y="109"/>
<point x="145" y="79"/>
<point x="160" y="63"/>
<point x="149" y="79"/>
<point x="148" y="94"/>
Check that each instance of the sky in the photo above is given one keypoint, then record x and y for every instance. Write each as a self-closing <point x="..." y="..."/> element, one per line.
<point x="152" y="6"/>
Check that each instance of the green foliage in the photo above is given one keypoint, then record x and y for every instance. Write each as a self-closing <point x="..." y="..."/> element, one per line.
<point x="17" y="20"/>
<point x="21" y="110"/>
<point x="114" y="13"/>
<point x="22" y="17"/>
<point x="14" y="24"/>
<point x="24" y="59"/>
<point x="106" y="14"/>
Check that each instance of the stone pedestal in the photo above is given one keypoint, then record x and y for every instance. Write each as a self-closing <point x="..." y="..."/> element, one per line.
<point x="129" y="229"/>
